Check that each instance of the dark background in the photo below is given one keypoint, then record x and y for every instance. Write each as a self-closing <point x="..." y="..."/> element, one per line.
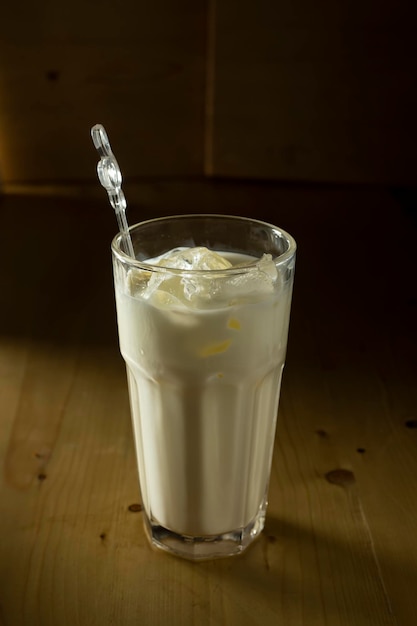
<point x="319" y="92"/>
<point x="299" y="113"/>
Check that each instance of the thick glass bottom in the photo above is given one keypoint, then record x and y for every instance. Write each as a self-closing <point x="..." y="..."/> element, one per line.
<point x="206" y="547"/>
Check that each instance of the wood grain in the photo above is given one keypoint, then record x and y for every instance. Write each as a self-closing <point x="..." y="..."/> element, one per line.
<point x="322" y="92"/>
<point x="225" y="89"/>
<point x="338" y="545"/>
<point x="137" y="69"/>
<point x="358" y="384"/>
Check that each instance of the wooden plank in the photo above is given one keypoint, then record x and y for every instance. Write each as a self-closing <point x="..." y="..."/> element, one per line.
<point x="357" y="382"/>
<point x="137" y="70"/>
<point x="73" y="535"/>
<point x="286" y="204"/>
<point x="336" y="548"/>
<point x="322" y="92"/>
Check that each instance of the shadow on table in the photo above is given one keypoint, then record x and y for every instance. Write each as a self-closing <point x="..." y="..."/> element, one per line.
<point x="294" y="571"/>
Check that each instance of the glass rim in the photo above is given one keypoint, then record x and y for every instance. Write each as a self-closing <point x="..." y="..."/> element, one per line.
<point x="242" y="268"/>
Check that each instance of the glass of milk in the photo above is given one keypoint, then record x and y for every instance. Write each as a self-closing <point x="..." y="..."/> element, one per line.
<point x="203" y="313"/>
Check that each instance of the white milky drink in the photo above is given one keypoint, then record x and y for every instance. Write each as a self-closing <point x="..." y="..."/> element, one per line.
<point x="204" y="385"/>
<point x="204" y="353"/>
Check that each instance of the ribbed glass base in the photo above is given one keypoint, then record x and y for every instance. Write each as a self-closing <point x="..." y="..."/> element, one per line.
<point x="205" y="547"/>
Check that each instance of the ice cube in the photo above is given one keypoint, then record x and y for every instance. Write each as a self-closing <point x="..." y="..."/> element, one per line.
<point x="255" y="280"/>
<point x="137" y="281"/>
<point x="186" y="289"/>
<point x="267" y="266"/>
<point x="199" y="258"/>
<point x="203" y="290"/>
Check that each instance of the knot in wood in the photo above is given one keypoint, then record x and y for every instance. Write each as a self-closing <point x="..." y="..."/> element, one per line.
<point x="341" y="477"/>
<point x="135" y="508"/>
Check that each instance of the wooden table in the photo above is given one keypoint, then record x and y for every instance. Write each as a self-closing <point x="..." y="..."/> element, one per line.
<point x="339" y="547"/>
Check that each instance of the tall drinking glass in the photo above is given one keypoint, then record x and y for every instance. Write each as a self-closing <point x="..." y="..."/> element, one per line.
<point x="204" y="338"/>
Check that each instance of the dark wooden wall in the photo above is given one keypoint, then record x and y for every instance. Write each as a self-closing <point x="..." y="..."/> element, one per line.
<point x="302" y="91"/>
